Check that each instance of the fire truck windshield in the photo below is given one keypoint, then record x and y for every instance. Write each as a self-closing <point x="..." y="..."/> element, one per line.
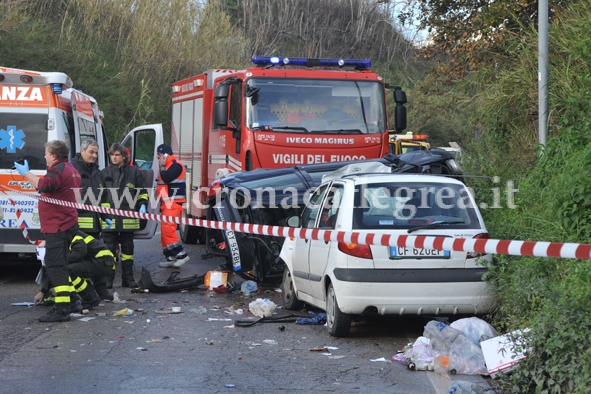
<point x="23" y="136"/>
<point x="316" y="106"/>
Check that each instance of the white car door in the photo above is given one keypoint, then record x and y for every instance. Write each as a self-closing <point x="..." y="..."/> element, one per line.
<point x="320" y="250"/>
<point x="301" y="273"/>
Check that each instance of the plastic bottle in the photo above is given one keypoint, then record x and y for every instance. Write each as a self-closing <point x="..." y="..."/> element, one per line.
<point x="441" y="363"/>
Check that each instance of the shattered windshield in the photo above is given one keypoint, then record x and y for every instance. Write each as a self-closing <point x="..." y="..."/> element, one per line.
<point x="315" y="106"/>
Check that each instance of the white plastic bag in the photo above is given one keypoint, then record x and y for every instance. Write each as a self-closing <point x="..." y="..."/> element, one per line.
<point x="420" y="357"/>
<point x="465" y="357"/>
<point x="474" y="328"/>
<point x="441" y="335"/>
<point x="262" y="307"/>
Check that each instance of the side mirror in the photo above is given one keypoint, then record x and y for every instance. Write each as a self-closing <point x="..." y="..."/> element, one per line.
<point x="400" y="96"/>
<point x="294" y="221"/>
<point x="220" y="113"/>
<point x="220" y="110"/>
<point x="400" y="110"/>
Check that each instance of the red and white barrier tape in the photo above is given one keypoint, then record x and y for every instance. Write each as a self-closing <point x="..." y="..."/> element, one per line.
<point x="492" y="246"/>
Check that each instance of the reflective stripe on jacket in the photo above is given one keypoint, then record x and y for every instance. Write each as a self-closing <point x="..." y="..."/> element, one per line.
<point x="90" y="194"/>
<point x="124" y="180"/>
<point x="87" y="248"/>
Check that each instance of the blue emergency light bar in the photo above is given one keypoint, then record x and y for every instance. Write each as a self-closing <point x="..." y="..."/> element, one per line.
<point x="309" y="62"/>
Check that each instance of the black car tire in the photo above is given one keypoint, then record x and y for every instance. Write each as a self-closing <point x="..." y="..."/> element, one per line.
<point x="338" y="323"/>
<point x="189" y="234"/>
<point x="289" y="298"/>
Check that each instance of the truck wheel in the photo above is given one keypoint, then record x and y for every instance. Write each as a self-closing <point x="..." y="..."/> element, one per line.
<point x="290" y="301"/>
<point x="338" y="323"/>
<point x="189" y="234"/>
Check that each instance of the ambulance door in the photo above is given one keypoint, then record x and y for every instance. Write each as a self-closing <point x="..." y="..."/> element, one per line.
<point x="142" y="143"/>
<point x="101" y="136"/>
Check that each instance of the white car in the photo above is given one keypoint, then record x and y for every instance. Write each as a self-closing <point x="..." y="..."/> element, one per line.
<point x="347" y="279"/>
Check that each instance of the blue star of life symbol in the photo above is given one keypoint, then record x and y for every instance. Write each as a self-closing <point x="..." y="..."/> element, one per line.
<point x="11" y="138"/>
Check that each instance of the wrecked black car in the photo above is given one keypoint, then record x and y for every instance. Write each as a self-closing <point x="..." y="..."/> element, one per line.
<point x="270" y="196"/>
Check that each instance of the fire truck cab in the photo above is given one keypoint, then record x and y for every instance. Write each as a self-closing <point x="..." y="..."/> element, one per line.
<point x="279" y="113"/>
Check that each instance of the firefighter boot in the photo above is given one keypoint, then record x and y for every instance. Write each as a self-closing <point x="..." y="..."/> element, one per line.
<point x="127" y="274"/>
<point x="75" y="304"/>
<point x="89" y="297"/>
<point x="101" y="289"/>
<point x="109" y="280"/>
<point x="59" y="313"/>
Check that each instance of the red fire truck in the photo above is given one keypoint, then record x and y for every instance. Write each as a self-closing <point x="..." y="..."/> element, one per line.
<point x="281" y="112"/>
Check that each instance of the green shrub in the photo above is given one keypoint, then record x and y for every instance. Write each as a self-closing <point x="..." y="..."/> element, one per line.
<point x="551" y="297"/>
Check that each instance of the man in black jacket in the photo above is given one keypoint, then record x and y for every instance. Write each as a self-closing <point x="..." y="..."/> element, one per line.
<point x="92" y="183"/>
<point x="126" y="190"/>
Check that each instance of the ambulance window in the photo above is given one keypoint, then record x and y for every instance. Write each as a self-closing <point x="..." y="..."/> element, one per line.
<point x="29" y="140"/>
<point x="87" y="129"/>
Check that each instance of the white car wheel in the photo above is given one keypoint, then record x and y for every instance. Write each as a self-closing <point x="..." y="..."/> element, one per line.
<point x="339" y="323"/>
<point x="288" y="294"/>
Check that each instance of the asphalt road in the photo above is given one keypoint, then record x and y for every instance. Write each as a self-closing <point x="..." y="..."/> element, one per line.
<point x="196" y="351"/>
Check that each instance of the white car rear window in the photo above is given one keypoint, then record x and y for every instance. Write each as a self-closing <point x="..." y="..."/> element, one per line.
<point x="403" y="205"/>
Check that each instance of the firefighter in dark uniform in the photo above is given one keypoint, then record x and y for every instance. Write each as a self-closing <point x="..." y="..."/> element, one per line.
<point x="91" y="194"/>
<point x="123" y="180"/>
<point x="88" y="258"/>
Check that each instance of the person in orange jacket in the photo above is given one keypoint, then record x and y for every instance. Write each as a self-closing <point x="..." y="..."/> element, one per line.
<point x="172" y="192"/>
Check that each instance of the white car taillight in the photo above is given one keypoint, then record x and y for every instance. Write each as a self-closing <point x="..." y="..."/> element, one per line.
<point x="357" y="250"/>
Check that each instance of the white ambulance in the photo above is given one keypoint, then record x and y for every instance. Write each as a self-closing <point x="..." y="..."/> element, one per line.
<point x="36" y="107"/>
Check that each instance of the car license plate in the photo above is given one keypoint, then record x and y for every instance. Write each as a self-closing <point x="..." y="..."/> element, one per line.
<point x="398" y="252"/>
<point x="234" y="251"/>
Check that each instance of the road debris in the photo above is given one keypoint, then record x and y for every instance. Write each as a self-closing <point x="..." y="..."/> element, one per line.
<point x="124" y="312"/>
